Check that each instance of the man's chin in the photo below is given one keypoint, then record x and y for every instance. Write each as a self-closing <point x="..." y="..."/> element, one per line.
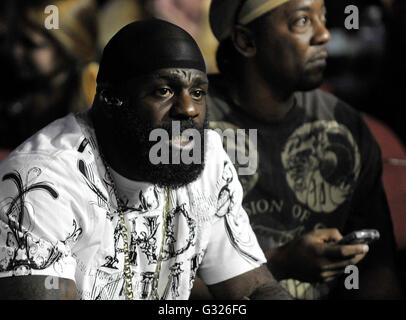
<point x="174" y="176"/>
<point x="311" y="81"/>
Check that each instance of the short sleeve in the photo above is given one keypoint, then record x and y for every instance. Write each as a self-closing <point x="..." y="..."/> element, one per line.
<point x="233" y="248"/>
<point x="38" y="226"/>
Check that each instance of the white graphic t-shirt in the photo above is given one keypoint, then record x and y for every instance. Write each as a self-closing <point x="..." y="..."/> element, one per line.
<point x="59" y="217"/>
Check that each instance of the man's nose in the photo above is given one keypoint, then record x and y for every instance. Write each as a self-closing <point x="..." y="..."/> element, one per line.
<point x="184" y="107"/>
<point x="321" y="34"/>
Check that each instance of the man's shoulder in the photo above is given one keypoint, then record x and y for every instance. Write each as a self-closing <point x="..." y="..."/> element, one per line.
<point x="55" y="148"/>
<point x="321" y="105"/>
<point x="215" y="157"/>
<point x="61" y="135"/>
<point x="324" y="105"/>
<point x="214" y="147"/>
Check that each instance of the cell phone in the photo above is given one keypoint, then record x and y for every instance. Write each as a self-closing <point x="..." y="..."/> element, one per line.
<point x="365" y="236"/>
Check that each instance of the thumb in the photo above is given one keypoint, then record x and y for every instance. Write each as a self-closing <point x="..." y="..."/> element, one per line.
<point x="328" y="235"/>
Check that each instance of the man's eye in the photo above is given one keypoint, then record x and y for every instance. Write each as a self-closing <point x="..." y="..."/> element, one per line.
<point x="302" y="21"/>
<point x="163" y="92"/>
<point x="198" y="93"/>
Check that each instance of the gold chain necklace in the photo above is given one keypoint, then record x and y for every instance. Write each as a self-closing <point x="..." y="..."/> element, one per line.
<point x="127" y="265"/>
<point x="155" y="295"/>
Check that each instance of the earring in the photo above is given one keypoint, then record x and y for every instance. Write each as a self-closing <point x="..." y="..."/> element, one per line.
<point x="111" y="100"/>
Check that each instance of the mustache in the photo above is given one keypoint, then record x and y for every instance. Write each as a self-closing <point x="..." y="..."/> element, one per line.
<point x="322" y="54"/>
<point x="181" y="125"/>
<point x="130" y="128"/>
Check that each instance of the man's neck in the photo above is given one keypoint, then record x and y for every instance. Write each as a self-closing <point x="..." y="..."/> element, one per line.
<point x="260" y="98"/>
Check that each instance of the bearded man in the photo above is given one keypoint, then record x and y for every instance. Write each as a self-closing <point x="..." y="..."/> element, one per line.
<point x="82" y="202"/>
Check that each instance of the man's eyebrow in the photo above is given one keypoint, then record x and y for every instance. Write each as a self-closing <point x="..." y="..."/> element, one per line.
<point x="300" y="9"/>
<point x="305" y="8"/>
<point x="200" y="82"/>
<point x="164" y="76"/>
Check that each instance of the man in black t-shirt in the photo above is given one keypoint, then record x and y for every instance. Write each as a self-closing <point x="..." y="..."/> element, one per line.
<point x="319" y="169"/>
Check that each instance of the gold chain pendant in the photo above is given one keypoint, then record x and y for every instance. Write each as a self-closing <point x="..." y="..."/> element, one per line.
<point x="155" y="295"/>
<point x="127" y="266"/>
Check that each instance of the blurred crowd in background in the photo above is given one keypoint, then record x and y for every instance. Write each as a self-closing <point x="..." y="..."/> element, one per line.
<point x="46" y="74"/>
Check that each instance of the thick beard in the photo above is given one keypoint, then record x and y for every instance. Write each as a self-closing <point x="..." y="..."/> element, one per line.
<point x="132" y="137"/>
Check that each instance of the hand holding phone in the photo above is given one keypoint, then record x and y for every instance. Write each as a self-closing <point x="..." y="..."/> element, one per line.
<point x="365" y="236"/>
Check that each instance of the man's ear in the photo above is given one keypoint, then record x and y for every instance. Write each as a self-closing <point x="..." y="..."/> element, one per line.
<point x="243" y="40"/>
<point x="107" y="100"/>
<point x="110" y="97"/>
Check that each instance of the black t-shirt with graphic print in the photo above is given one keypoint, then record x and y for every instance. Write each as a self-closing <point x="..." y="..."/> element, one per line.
<point x="319" y="167"/>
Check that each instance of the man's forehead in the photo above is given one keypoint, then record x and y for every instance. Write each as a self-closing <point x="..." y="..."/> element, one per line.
<point x="178" y="74"/>
<point x="298" y="5"/>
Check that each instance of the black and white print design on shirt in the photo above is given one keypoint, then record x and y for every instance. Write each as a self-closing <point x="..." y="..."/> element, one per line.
<point x="234" y="219"/>
<point x="25" y="251"/>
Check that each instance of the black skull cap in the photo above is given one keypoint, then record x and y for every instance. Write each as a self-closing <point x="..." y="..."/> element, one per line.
<point x="145" y="46"/>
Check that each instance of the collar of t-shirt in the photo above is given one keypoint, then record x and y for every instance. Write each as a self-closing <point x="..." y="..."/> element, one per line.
<point x="130" y="189"/>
